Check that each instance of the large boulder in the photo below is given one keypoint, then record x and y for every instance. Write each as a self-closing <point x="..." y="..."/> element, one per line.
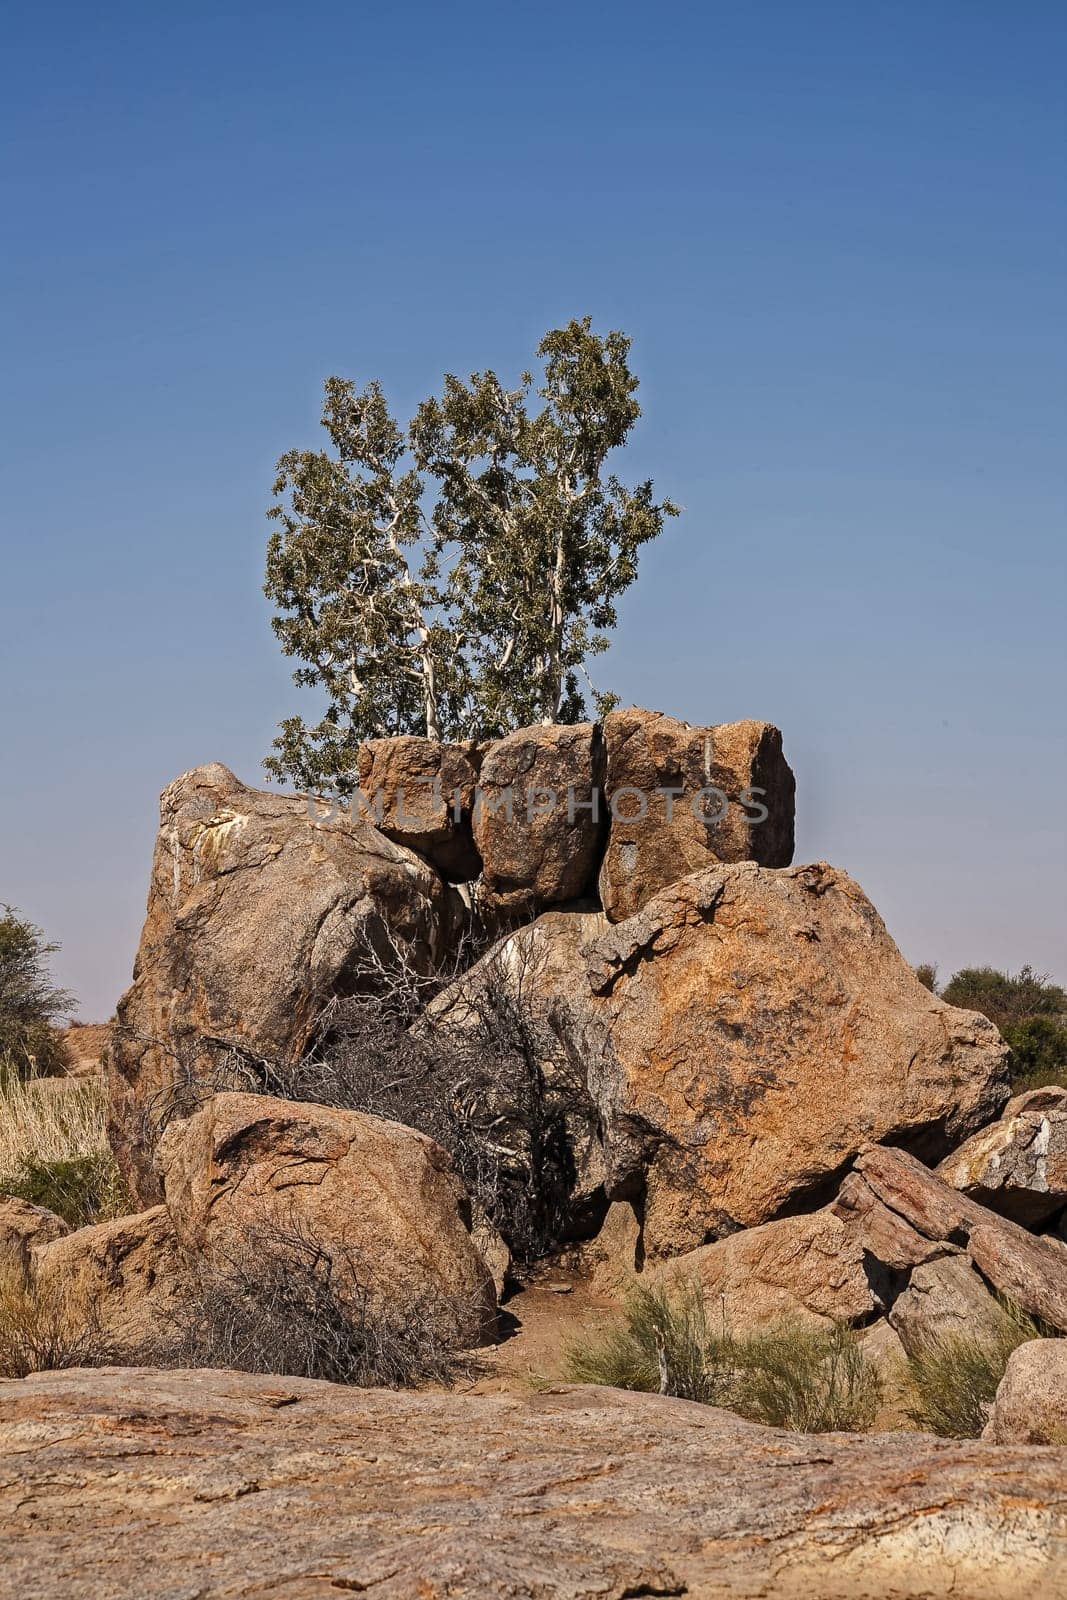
<point x="127" y="1273"/>
<point x="248" y="1168"/>
<point x="1018" y="1166"/>
<point x="539" y="820"/>
<point x="748" y="1031"/>
<point x="227" y="1483"/>
<point x="259" y="908"/>
<point x="946" y="1299"/>
<point x="680" y="798"/>
<point x="421" y="794"/>
<point x="1031" y="1401"/>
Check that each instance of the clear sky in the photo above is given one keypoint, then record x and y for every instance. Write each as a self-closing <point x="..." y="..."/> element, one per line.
<point x="836" y="234"/>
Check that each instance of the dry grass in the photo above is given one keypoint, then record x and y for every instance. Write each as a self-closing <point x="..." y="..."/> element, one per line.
<point x="283" y="1301"/>
<point x="54" y="1149"/>
<point x="44" y="1326"/>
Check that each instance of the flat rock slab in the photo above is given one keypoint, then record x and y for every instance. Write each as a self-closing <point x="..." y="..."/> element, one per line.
<point x="195" y="1485"/>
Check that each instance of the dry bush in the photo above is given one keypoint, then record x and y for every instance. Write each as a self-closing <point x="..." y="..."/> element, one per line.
<point x="949" y="1385"/>
<point x="487" y="1078"/>
<point x="281" y="1301"/>
<point x="54" y="1150"/>
<point x="44" y="1326"/>
<point x="790" y="1376"/>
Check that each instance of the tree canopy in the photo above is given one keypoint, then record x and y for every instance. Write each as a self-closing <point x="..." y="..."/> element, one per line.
<point x="30" y="1003"/>
<point x="453" y="578"/>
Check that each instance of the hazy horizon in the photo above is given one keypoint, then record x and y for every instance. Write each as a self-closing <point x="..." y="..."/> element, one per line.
<point x="837" y="237"/>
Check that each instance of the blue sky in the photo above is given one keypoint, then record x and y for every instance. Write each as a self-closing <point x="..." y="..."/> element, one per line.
<point x="836" y="234"/>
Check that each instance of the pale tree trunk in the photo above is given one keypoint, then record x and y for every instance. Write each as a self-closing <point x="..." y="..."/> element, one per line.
<point x="429" y="688"/>
<point x="554" y="654"/>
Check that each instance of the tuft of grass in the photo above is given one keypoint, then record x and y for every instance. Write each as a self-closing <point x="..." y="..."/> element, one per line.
<point x="789" y="1376"/>
<point x="54" y="1149"/>
<point x="812" y="1380"/>
<point x="82" y="1189"/>
<point x="45" y="1326"/>
<point x="950" y="1384"/>
<point x="662" y="1345"/>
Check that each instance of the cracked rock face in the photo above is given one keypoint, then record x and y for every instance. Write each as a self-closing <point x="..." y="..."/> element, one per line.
<point x="223" y="1484"/>
<point x="1018" y="1166"/>
<point x="255" y="911"/>
<point x="908" y="1217"/>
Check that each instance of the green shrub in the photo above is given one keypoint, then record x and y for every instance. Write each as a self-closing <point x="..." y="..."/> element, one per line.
<point x="812" y="1380"/>
<point x="790" y="1376"/>
<point x="950" y="1383"/>
<point x="1038" y="1052"/>
<point x="30" y="1004"/>
<point x="1031" y="1013"/>
<point x="662" y="1345"/>
<point x="81" y="1189"/>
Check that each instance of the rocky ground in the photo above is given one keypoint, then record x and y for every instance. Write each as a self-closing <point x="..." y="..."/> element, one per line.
<point x="180" y="1485"/>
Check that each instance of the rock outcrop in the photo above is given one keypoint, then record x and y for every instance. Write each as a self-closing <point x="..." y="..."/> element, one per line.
<point x="256" y="914"/>
<point x="218" y="1484"/>
<point x="906" y="1215"/>
<point x="1031" y="1401"/>
<point x="127" y="1272"/>
<point x="249" y="1167"/>
<point x="807" y="1269"/>
<point x="1018" y="1166"/>
<point x="681" y="798"/>
<point x="745" y="1034"/>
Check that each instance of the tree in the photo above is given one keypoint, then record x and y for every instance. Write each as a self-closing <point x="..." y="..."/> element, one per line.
<point x="475" y="610"/>
<point x="1029" y="1010"/>
<point x="1004" y="998"/>
<point x="30" y="1004"/>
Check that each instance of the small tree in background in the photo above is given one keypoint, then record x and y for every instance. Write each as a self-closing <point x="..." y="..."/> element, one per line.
<point x="474" y="612"/>
<point x="31" y="1005"/>
<point x="1029" y="1010"/>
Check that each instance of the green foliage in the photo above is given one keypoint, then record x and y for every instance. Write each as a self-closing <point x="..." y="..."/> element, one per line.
<point x="1038" y="1052"/>
<point x="472" y="609"/>
<point x="80" y="1189"/>
<point x="30" y="1004"/>
<point x="1031" y="1013"/>
<point x="810" y="1380"/>
<point x="1006" y="999"/>
<point x="950" y="1384"/>
<point x="662" y="1344"/>
<point x="926" y="972"/>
